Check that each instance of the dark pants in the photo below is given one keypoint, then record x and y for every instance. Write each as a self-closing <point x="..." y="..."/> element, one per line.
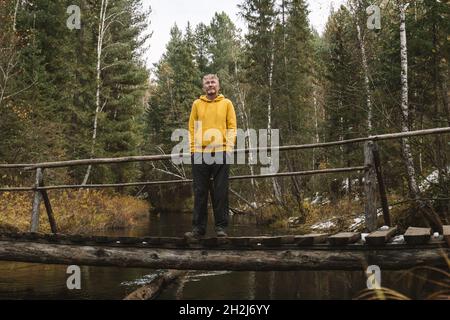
<point x="218" y="189"/>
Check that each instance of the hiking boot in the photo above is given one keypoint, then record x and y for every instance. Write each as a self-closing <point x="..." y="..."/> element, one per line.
<point x="193" y="235"/>
<point x="221" y="234"/>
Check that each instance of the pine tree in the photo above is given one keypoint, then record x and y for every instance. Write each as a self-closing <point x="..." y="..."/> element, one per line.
<point x="202" y="43"/>
<point x="261" y="17"/>
<point x="124" y="81"/>
<point x="178" y="84"/>
<point x="292" y="83"/>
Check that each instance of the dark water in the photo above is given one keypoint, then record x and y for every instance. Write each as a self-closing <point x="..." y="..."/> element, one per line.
<point x="37" y="281"/>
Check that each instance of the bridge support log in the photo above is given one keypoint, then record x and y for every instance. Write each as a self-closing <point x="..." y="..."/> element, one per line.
<point x="356" y="258"/>
<point x="36" y="202"/>
<point x="381" y="185"/>
<point x="370" y="184"/>
<point x="40" y="195"/>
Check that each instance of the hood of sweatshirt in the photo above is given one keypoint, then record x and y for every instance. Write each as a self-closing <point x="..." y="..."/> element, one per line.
<point x="220" y="97"/>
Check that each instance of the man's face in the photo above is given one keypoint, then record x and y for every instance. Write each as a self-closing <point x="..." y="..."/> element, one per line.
<point x="211" y="86"/>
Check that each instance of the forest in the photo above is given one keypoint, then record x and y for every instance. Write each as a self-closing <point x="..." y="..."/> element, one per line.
<point x="80" y="93"/>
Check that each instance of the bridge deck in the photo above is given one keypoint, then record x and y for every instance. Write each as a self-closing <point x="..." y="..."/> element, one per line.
<point x="307" y="252"/>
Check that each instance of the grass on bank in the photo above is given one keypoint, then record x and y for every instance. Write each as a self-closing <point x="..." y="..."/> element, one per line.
<point x="80" y="212"/>
<point x="341" y="215"/>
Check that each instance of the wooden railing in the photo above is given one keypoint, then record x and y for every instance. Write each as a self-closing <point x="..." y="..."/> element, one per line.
<point x="371" y="167"/>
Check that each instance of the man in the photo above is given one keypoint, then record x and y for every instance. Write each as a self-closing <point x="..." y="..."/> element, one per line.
<point x="212" y="134"/>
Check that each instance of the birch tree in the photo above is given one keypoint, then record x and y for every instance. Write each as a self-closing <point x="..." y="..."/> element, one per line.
<point x="261" y="18"/>
<point x="16" y="9"/>
<point x="406" y="147"/>
<point x="101" y="34"/>
<point x="365" y="66"/>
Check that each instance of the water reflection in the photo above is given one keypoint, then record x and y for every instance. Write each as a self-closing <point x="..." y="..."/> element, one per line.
<point x="37" y="281"/>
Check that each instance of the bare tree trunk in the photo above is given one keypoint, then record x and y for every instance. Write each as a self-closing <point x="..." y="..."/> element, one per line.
<point x="10" y="63"/>
<point x="94" y="137"/>
<point x="291" y="165"/>
<point x="16" y="9"/>
<point x="317" y="136"/>
<point x="276" y="186"/>
<point x="101" y="33"/>
<point x="316" y="126"/>
<point x="9" y="58"/>
<point x="361" y="41"/>
<point x="245" y="121"/>
<point x="366" y="80"/>
<point x="406" y="148"/>
<point x="440" y="155"/>
<point x="444" y="90"/>
<point x="341" y="135"/>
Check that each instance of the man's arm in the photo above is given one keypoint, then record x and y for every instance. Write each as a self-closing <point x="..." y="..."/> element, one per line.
<point x="193" y="117"/>
<point x="231" y="127"/>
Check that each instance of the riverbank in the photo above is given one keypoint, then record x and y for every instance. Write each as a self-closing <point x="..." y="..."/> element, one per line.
<point x="80" y="212"/>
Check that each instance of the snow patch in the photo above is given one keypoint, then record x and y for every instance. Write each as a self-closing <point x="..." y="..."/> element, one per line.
<point x="432" y="178"/>
<point x="323" y="225"/>
<point x="363" y="236"/>
<point x="398" y="239"/>
<point x="140" y="281"/>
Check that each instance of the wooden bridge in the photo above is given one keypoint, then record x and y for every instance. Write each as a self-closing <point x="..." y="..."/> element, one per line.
<point x="342" y="251"/>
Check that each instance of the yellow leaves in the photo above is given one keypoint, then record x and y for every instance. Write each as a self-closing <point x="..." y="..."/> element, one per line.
<point x="21" y="112"/>
<point x="85" y="211"/>
<point x="323" y="165"/>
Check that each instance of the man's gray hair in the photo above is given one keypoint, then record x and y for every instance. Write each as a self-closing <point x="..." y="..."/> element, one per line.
<point x="211" y="75"/>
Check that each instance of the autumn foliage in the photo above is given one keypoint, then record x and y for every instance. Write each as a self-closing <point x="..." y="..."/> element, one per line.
<point x="79" y="212"/>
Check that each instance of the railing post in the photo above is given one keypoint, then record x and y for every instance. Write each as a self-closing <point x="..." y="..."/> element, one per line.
<point x="370" y="207"/>
<point x="381" y="186"/>
<point x="36" y="202"/>
<point x="48" y="206"/>
<point x="40" y="195"/>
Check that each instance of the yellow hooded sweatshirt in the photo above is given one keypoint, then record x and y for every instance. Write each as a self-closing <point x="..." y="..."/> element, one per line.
<point x="212" y="125"/>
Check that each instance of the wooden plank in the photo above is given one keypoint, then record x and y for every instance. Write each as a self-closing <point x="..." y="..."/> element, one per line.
<point x="270" y="241"/>
<point x="240" y="241"/>
<point x="290" y="239"/>
<point x="128" y="240"/>
<point x="152" y="240"/>
<point x="102" y="239"/>
<point x="262" y="241"/>
<point x="417" y="235"/>
<point x="209" y="242"/>
<point x="446" y="232"/>
<point x="380" y="237"/>
<point x="175" y="241"/>
<point x="311" y="239"/>
<point x="344" y="238"/>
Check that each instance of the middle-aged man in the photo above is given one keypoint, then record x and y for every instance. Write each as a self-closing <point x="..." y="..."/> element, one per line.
<point x="212" y="134"/>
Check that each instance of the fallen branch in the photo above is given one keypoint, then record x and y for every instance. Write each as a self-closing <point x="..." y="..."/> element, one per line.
<point x="154" y="288"/>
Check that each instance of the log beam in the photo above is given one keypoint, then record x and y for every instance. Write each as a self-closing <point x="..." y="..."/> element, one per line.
<point x="221" y="259"/>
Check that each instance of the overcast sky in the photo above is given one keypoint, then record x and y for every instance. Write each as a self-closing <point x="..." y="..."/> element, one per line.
<point x="165" y="13"/>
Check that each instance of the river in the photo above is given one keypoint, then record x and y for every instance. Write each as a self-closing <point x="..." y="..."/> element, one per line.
<point x="38" y="281"/>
